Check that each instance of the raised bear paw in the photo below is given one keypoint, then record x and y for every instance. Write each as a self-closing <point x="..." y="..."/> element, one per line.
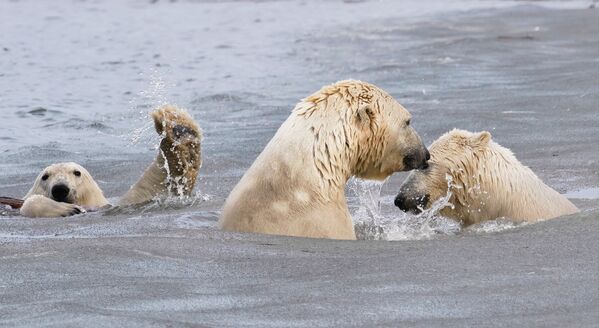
<point x="175" y="124"/>
<point x="180" y="148"/>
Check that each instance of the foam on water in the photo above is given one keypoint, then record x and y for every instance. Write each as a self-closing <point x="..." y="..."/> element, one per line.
<point x="162" y="204"/>
<point x="497" y="225"/>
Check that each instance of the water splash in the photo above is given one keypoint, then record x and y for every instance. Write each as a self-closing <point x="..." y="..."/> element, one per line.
<point x="136" y="134"/>
<point x="156" y="92"/>
<point x="368" y="194"/>
<point x="181" y="201"/>
<point x="376" y="218"/>
<point x="147" y="100"/>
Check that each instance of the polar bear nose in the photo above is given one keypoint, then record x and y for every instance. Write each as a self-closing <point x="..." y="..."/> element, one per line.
<point x="417" y="160"/>
<point x="400" y="201"/>
<point x="60" y="193"/>
<point x="413" y="204"/>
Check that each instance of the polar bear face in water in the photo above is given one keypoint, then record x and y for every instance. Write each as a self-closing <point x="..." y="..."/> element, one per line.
<point x="68" y="183"/>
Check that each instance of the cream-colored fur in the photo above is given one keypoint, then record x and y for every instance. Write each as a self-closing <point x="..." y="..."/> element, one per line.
<point x="176" y="167"/>
<point x="486" y="182"/>
<point x="296" y="185"/>
<point x="173" y="172"/>
<point x="84" y="192"/>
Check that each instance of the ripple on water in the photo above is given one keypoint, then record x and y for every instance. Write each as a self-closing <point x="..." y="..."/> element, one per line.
<point x="586" y="193"/>
<point x="79" y="124"/>
<point x="227" y="98"/>
<point x="39" y="112"/>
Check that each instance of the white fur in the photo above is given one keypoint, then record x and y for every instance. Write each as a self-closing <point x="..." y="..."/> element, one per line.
<point x="296" y="185"/>
<point x="487" y="182"/>
<point x="84" y="192"/>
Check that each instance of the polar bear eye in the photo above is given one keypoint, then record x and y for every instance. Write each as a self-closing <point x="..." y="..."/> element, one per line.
<point x="408" y="122"/>
<point x="77" y="173"/>
<point x="45" y="177"/>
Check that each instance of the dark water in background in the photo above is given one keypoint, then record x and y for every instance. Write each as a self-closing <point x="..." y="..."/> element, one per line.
<point x="78" y="78"/>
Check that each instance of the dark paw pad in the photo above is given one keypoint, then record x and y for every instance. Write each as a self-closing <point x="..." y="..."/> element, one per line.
<point x="180" y="131"/>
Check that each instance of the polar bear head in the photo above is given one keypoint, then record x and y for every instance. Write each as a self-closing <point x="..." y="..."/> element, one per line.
<point x="68" y="183"/>
<point x="459" y="159"/>
<point x="359" y="128"/>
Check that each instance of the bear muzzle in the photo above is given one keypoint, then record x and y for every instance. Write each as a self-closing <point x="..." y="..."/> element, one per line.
<point x="417" y="160"/>
<point x="411" y="204"/>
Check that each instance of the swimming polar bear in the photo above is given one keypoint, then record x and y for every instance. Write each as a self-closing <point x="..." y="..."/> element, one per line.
<point x="296" y="186"/>
<point x="65" y="189"/>
<point x="486" y="182"/>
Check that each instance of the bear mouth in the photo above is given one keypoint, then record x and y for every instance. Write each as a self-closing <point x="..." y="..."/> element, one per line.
<point x="63" y="200"/>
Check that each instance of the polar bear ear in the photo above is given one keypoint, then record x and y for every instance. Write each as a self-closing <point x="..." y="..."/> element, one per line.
<point x="481" y="139"/>
<point x="364" y="115"/>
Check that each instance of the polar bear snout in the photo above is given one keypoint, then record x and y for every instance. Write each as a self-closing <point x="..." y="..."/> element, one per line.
<point x="60" y="193"/>
<point x="417" y="160"/>
<point x="411" y="204"/>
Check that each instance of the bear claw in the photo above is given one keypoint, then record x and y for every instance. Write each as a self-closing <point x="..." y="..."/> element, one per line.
<point x="76" y="210"/>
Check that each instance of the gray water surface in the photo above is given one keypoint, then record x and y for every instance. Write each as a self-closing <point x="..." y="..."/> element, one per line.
<point x="78" y="79"/>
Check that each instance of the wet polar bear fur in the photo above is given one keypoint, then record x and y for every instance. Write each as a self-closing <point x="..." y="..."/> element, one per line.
<point x="65" y="189"/>
<point x="486" y="182"/>
<point x="296" y="185"/>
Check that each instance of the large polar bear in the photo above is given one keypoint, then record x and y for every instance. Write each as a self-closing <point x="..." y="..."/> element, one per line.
<point x="65" y="189"/>
<point x="486" y="182"/>
<point x="296" y="185"/>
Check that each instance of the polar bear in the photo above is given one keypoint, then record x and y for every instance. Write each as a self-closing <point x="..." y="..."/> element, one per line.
<point x="296" y="185"/>
<point x="486" y="182"/>
<point x="65" y="189"/>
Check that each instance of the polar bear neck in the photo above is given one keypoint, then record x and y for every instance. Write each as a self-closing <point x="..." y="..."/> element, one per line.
<point x="321" y="170"/>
